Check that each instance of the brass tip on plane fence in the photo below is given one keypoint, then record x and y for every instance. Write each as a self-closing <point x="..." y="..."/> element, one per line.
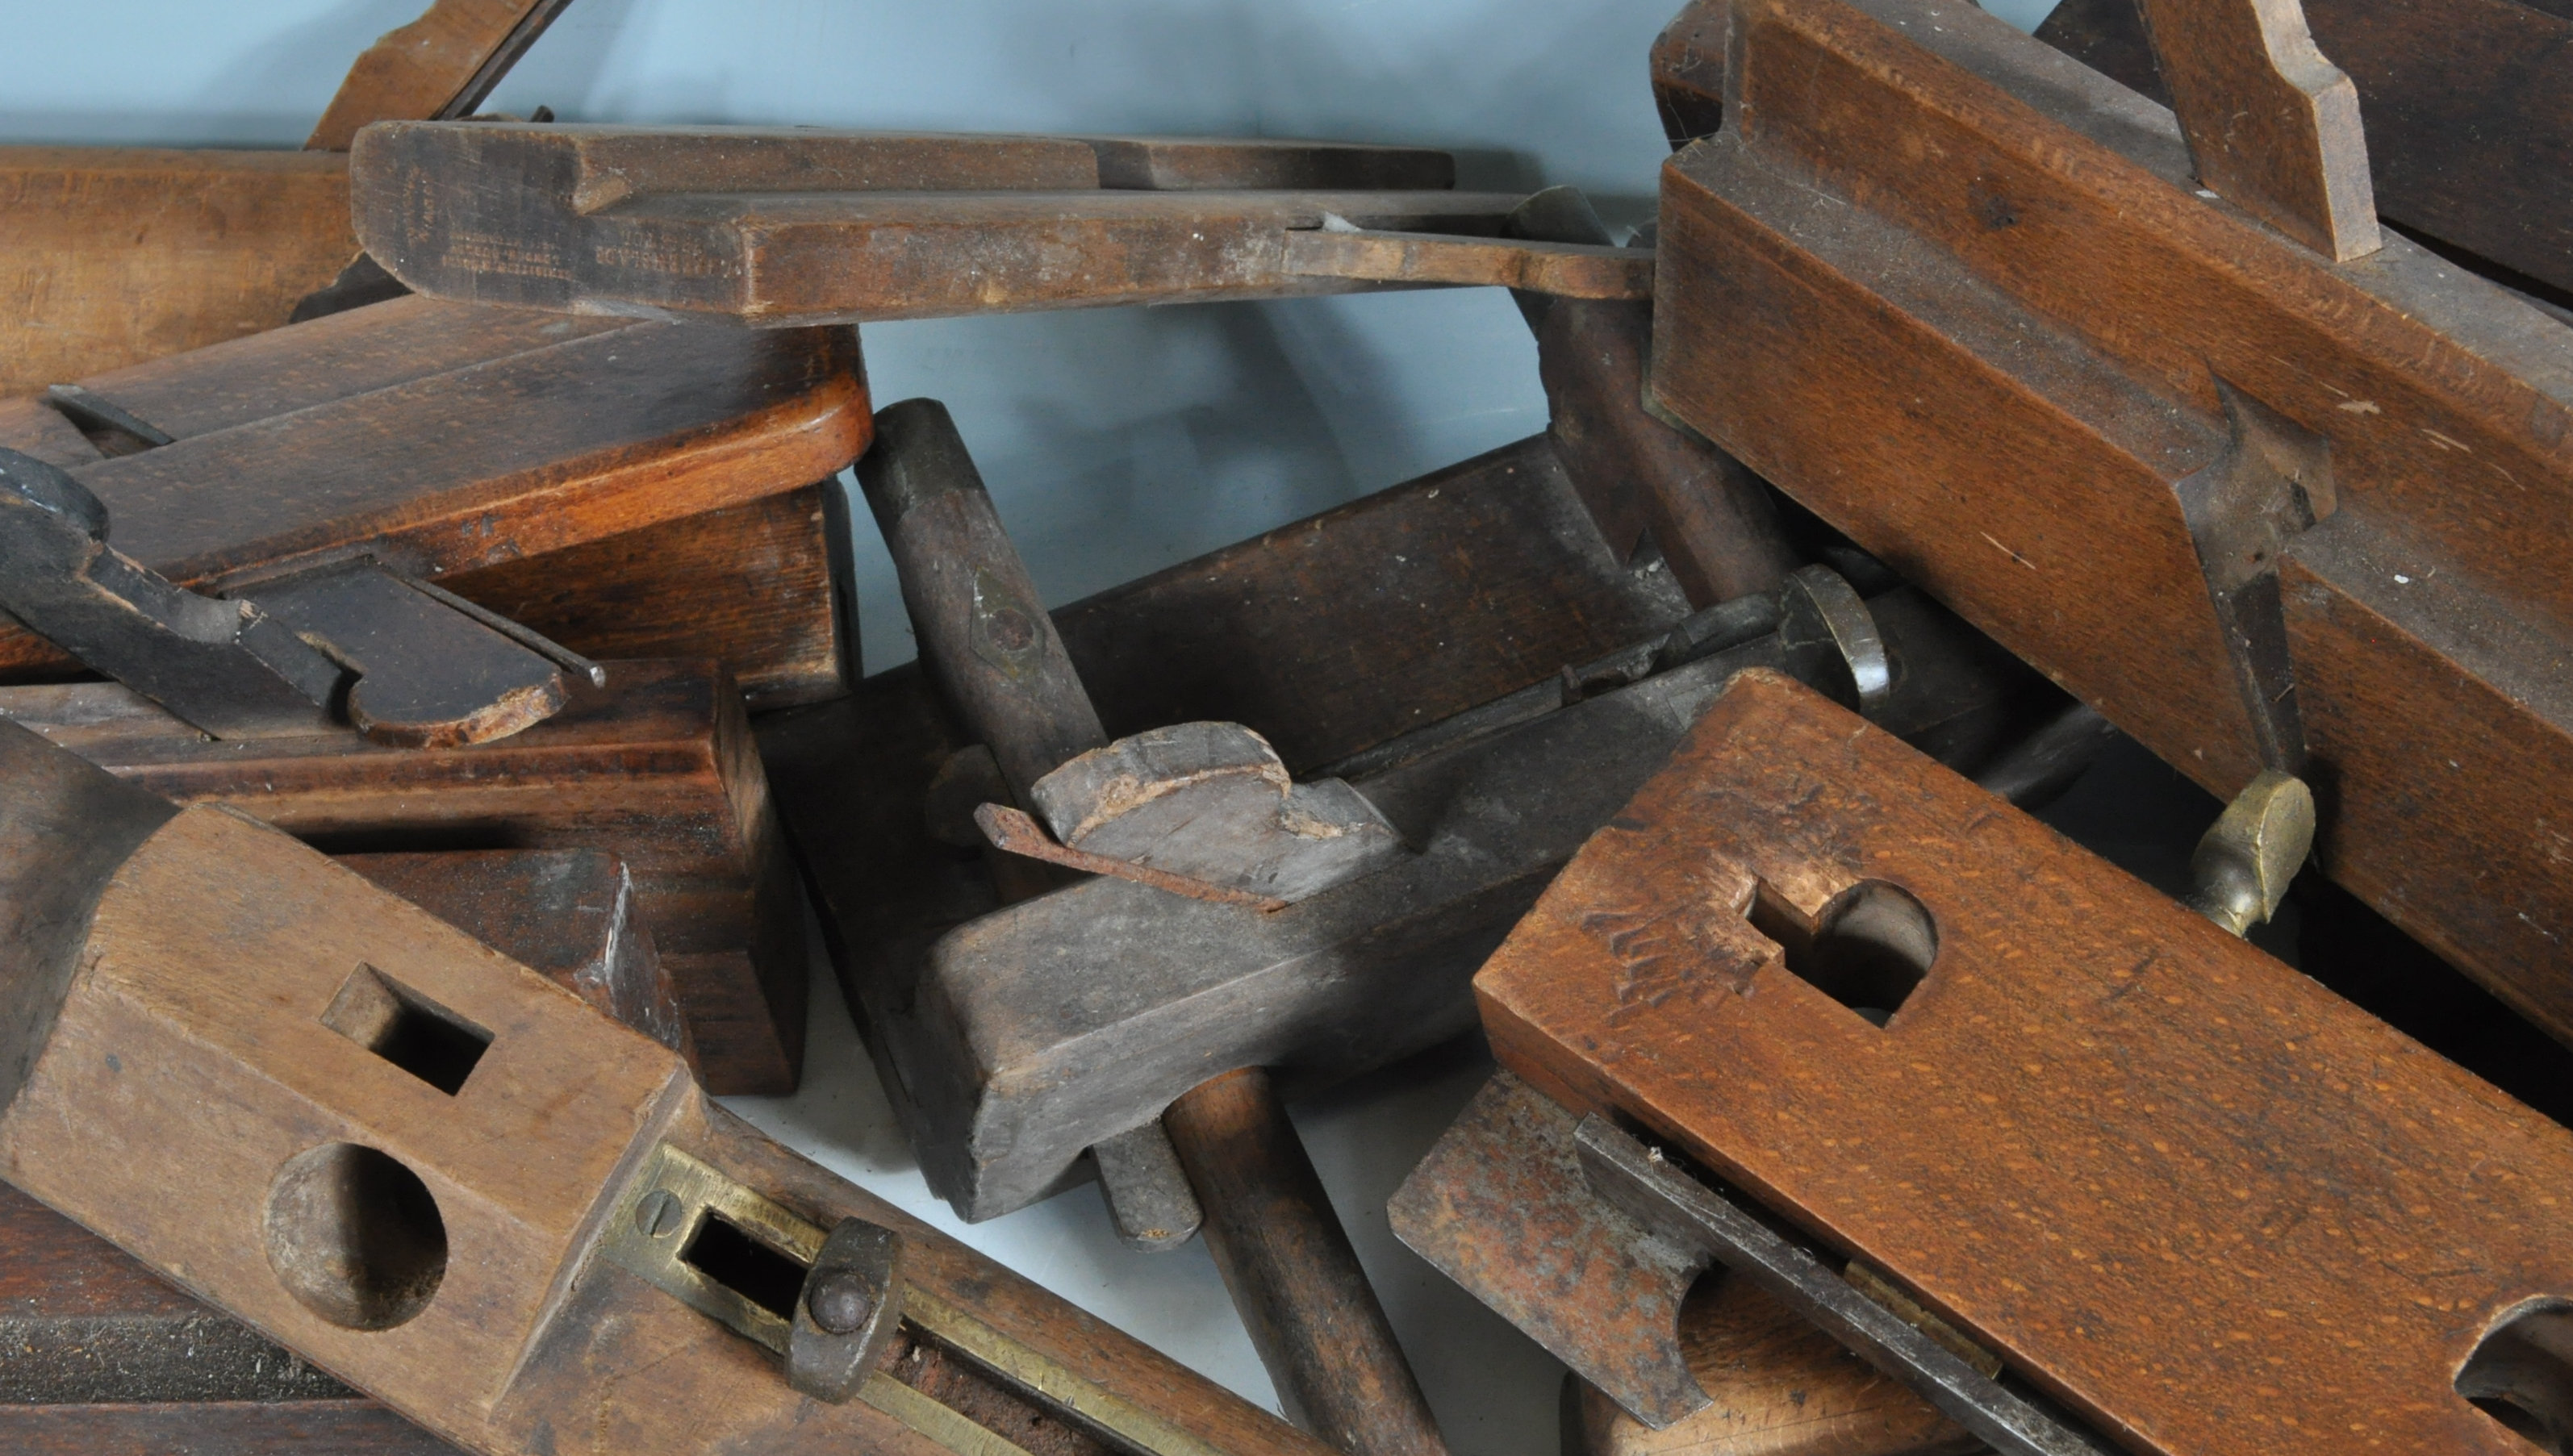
<point x="2243" y="865"/>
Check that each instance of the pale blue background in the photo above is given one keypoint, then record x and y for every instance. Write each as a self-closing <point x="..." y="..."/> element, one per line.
<point x="1115" y="442"/>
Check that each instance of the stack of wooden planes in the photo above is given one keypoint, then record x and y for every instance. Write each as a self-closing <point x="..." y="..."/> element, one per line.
<point x="433" y="705"/>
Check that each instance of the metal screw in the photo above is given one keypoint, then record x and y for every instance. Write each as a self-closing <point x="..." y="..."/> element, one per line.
<point x="840" y="1301"/>
<point x="658" y="1214"/>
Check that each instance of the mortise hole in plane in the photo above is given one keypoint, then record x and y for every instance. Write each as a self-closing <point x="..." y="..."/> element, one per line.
<point x="724" y="1253"/>
<point x="1868" y="949"/>
<point x="406" y="1029"/>
<point x="356" y="1236"/>
<point x="2522" y="1376"/>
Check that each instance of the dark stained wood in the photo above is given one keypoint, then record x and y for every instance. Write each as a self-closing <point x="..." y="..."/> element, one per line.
<point x="2272" y="126"/>
<point x="1688" y="71"/>
<point x="434" y="677"/>
<point x="777" y="228"/>
<point x="991" y="649"/>
<point x="285" y="1428"/>
<point x="2209" y="1205"/>
<point x="2468" y="105"/>
<point x="439" y="65"/>
<point x="1287" y="1262"/>
<point x="762" y="587"/>
<point x="571" y="916"/>
<point x="1338" y="633"/>
<point x="2096" y="413"/>
<point x="532" y="1336"/>
<point x="675" y="462"/>
<point x="984" y="633"/>
<point x="658" y="768"/>
<point x="1327" y="637"/>
<point x="1713" y="520"/>
<point x="1197" y="164"/>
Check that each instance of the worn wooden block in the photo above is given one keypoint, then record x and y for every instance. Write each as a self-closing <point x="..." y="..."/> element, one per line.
<point x="2468" y="105"/>
<point x="2171" y="1183"/>
<point x="788" y="227"/>
<point x="229" y="241"/>
<point x="567" y="1247"/>
<point x="96" y="1352"/>
<point x="627" y="488"/>
<point x="572" y="915"/>
<point x="2256" y="508"/>
<point x="658" y="768"/>
<point x="110" y="256"/>
<point x="1777" y="1386"/>
<point x="1335" y="633"/>
<point x="1326" y="636"/>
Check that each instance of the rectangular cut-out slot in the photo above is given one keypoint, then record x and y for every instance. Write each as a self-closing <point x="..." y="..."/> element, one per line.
<point x="1868" y="949"/>
<point x="727" y="1253"/>
<point x="406" y="1029"/>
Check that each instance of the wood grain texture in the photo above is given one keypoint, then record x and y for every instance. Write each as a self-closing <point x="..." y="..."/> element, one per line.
<point x="2053" y="366"/>
<point x="1688" y="71"/>
<point x="526" y="1343"/>
<point x="113" y="256"/>
<point x="672" y="464"/>
<point x="781" y="227"/>
<point x="98" y="1352"/>
<point x="1779" y="1386"/>
<point x="1335" y="633"/>
<point x="1232" y="164"/>
<point x="2272" y="126"/>
<point x="569" y="915"/>
<point x="759" y="587"/>
<point x="2468" y="105"/>
<point x="110" y="256"/>
<point x="658" y="768"/>
<point x="1565" y="270"/>
<point x="244" y="1428"/>
<point x="1288" y="1263"/>
<point x="2166" y="1178"/>
<point x="1327" y="636"/>
<point x="1714" y="523"/>
<point x="430" y="67"/>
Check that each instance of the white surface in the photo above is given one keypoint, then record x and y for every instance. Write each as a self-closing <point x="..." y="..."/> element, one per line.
<point x="1493" y="1390"/>
<point x="1115" y="442"/>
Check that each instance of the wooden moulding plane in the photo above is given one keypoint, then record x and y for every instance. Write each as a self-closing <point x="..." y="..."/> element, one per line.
<point x="1467" y="639"/>
<point x="656" y="768"/>
<point x="2263" y="497"/>
<point x="102" y="1354"/>
<point x="629" y="490"/>
<point x="2078" y="1166"/>
<point x="110" y="256"/>
<point x="444" y="1178"/>
<point x="778" y="227"/>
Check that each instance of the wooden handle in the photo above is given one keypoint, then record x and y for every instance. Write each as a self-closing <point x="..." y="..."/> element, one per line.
<point x="1292" y="1274"/>
<point x="1709" y="514"/>
<point x="984" y="635"/>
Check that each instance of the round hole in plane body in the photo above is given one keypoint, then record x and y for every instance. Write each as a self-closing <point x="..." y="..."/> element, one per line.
<point x="356" y="1236"/>
<point x="2521" y="1375"/>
